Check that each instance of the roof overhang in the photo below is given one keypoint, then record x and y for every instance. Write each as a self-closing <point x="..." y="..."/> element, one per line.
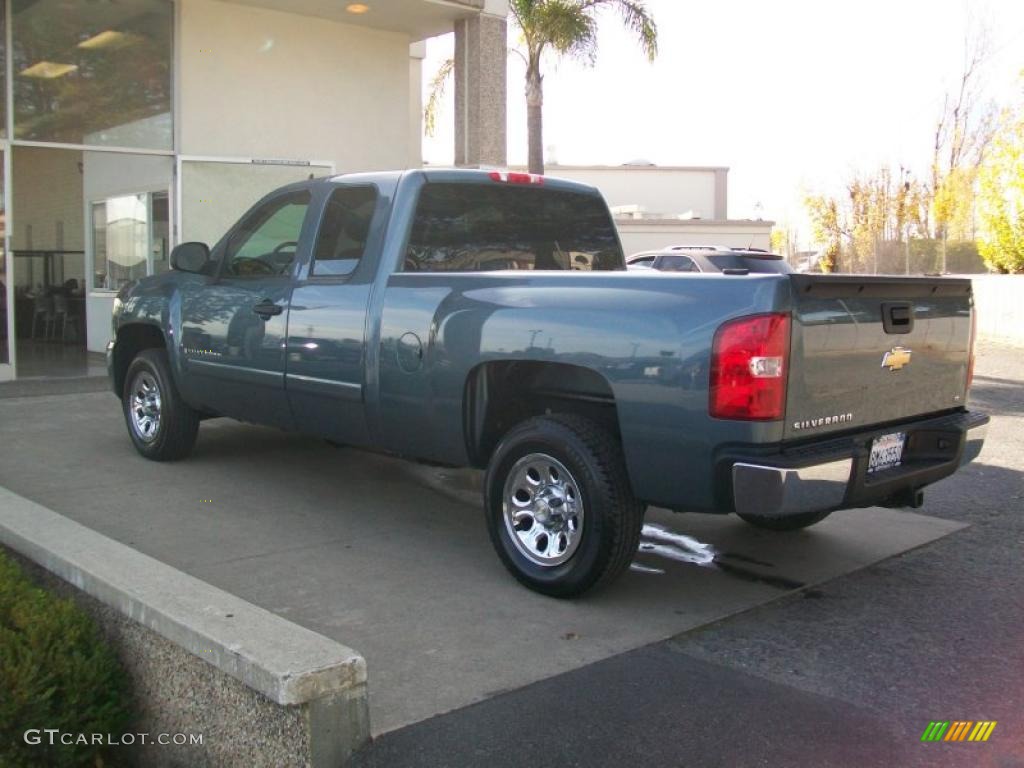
<point x="419" y="19"/>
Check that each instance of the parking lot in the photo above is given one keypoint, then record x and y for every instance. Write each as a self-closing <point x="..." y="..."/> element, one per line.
<point x="882" y="619"/>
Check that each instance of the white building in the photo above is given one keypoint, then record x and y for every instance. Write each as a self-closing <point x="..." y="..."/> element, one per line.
<point x="657" y="206"/>
<point x="127" y="127"/>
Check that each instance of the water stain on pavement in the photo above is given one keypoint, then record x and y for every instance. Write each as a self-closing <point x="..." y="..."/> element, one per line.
<point x="659" y="541"/>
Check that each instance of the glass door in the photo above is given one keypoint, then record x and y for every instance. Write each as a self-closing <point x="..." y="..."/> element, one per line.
<point x="6" y="284"/>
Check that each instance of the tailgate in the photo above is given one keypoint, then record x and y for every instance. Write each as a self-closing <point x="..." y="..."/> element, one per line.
<point x="869" y="350"/>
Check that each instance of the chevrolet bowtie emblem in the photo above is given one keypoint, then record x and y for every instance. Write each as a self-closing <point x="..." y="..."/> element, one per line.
<point x="896" y="358"/>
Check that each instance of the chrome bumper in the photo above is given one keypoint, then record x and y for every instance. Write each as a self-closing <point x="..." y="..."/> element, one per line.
<point x="765" y="491"/>
<point x="762" y="491"/>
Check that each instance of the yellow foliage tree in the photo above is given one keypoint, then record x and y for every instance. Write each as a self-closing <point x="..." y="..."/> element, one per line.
<point x="1001" y="195"/>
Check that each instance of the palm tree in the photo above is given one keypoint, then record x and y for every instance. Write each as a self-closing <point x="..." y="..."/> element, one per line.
<point x="566" y="28"/>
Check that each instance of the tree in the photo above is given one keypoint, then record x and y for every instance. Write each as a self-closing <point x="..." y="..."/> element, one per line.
<point x="568" y="28"/>
<point x="827" y="229"/>
<point x="562" y="28"/>
<point x="1001" y="195"/>
<point x="879" y="209"/>
<point x="962" y="134"/>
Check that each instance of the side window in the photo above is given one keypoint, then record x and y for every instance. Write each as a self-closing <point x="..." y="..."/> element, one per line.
<point x="678" y="264"/>
<point x="268" y="239"/>
<point x="344" y="231"/>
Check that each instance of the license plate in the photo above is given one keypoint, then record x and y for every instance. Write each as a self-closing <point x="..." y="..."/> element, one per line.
<point x="887" y="451"/>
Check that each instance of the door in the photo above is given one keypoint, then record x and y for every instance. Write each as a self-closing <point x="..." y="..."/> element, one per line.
<point x="234" y="324"/>
<point x="327" y="324"/>
<point x="6" y="284"/>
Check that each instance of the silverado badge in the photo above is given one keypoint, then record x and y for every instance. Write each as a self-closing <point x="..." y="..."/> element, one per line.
<point x="896" y="358"/>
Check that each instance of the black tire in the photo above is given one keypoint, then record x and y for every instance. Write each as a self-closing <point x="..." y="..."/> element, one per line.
<point x="787" y="523"/>
<point x="174" y="433"/>
<point x="610" y="531"/>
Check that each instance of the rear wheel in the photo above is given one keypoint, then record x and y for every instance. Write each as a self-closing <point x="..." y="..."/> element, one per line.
<point x="161" y="425"/>
<point x="559" y="508"/>
<point x="787" y="523"/>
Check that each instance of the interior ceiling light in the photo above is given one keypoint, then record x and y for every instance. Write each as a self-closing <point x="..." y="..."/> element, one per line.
<point x="109" y="38"/>
<point x="357" y="8"/>
<point x="47" y="70"/>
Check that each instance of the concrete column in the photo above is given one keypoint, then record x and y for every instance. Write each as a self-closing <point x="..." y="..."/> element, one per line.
<point x="721" y="194"/>
<point x="481" y="44"/>
<point x="417" y="52"/>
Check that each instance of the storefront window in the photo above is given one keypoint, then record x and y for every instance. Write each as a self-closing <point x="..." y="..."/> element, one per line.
<point x="6" y="321"/>
<point x="160" y="244"/>
<point x="235" y="187"/>
<point x="93" y="73"/>
<point x="3" y="69"/>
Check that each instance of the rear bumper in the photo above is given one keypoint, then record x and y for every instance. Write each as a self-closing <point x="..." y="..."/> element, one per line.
<point x="832" y="473"/>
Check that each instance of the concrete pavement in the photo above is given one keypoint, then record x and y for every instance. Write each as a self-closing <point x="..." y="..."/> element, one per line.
<point x="846" y="674"/>
<point x="395" y="561"/>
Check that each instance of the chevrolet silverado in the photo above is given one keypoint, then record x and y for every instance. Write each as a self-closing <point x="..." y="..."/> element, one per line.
<point x="486" y="319"/>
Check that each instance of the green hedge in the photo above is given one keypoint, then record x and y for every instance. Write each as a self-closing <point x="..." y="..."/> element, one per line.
<point x="55" y="672"/>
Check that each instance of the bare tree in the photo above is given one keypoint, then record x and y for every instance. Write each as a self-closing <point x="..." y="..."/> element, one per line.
<point x="962" y="133"/>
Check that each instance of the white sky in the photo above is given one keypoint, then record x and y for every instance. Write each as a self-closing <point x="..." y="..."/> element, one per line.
<point x="790" y="95"/>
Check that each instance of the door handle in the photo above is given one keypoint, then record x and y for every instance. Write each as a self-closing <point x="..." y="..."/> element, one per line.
<point x="267" y="309"/>
<point x="897" y="317"/>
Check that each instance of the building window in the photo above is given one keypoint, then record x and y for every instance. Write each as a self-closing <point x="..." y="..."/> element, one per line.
<point x="3" y="69"/>
<point x="214" y="195"/>
<point x="93" y="73"/>
<point x="129" y="238"/>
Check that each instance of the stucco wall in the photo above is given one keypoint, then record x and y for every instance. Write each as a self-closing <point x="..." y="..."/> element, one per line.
<point x="645" y="236"/>
<point x="262" y="83"/>
<point x="657" y="190"/>
<point x="1000" y="305"/>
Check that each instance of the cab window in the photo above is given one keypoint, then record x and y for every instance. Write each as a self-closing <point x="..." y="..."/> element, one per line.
<point x="344" y="231"/>
<point x="268" y="239"/>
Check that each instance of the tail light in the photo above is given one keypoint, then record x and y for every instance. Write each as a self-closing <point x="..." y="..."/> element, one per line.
<point x="749" y="362"/>
<point x="974" y="335"/>
<point x="516" y="178"/>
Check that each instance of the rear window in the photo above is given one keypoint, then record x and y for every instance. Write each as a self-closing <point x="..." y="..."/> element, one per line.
<point x="678" y="264"/>
<point x="724" y="261"/>
<point x="480" y="228"/>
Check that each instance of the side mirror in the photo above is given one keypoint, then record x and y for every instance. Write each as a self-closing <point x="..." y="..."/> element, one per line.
<point x="190" y="257"/>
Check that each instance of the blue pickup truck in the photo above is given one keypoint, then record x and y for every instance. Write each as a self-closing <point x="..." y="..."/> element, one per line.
<point x="486" y="319"/>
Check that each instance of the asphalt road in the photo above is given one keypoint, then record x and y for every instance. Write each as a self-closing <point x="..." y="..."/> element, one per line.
<point x="845" y="674"/>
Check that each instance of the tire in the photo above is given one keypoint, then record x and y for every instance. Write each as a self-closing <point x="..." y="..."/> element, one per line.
<point x="787" y="523"/>
<point x="576" y="467"/>
<point x="163" y="429"/>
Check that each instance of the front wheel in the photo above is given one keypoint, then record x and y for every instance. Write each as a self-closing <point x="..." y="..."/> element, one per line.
<point x="786" y="523"/>
<point x="560" y="511"/>
<point x="162" y="426"/>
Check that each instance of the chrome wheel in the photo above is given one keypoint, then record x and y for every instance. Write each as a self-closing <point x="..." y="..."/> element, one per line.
<point x="145" y="406"/>
<point x="543" y="510"/>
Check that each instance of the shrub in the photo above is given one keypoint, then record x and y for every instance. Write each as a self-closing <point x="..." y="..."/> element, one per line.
<point x="55" y="672"/>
